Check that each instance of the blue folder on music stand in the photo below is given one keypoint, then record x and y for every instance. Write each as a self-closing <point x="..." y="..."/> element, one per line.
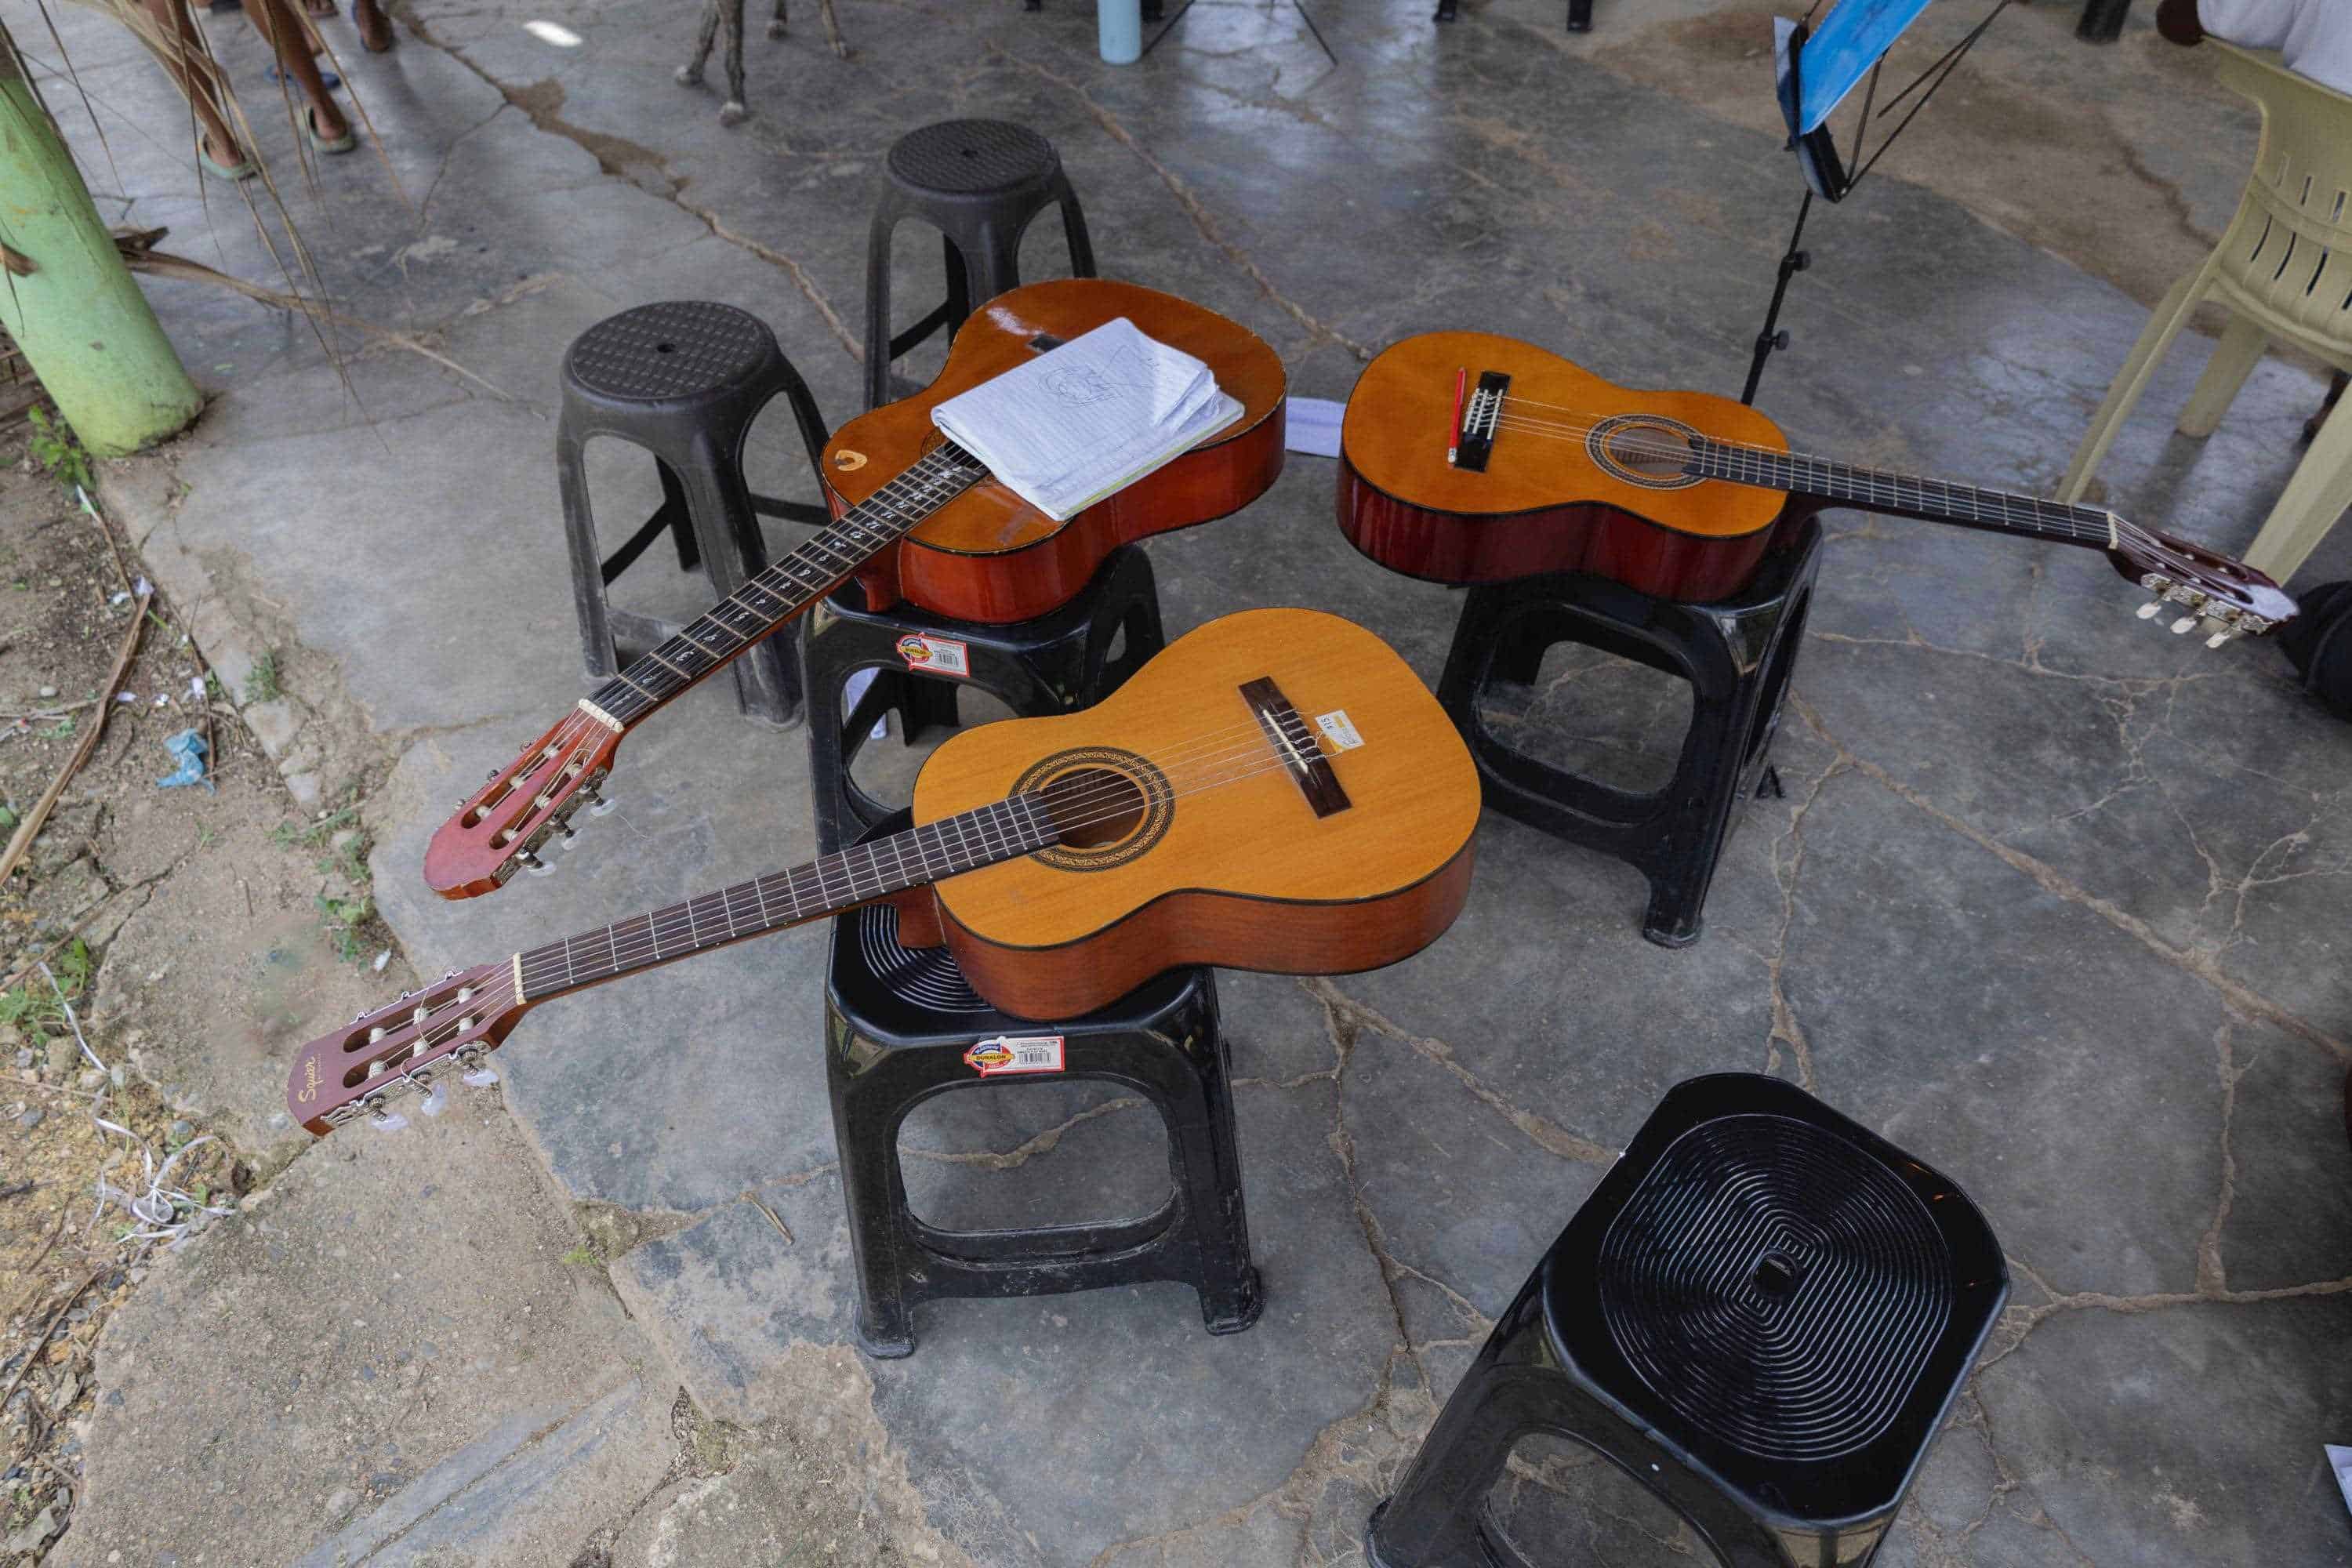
<point x="1817" y="68"/>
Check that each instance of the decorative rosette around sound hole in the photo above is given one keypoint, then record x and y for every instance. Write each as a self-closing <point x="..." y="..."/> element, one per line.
<point x="1115" y="804"/>
<point x="1645" y="449"/>
<point x="1776" y="1286"/>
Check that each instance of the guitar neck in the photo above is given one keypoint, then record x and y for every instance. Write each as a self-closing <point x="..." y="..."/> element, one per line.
<point x="814" y="569"/>
<point x="826" y="886"/>
<point x="1902" y="494"/>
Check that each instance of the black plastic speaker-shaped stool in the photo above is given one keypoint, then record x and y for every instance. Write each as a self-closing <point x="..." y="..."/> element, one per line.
<point x="1761" y="1314"/>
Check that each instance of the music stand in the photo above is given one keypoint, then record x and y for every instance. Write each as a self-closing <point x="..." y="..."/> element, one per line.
<point x="1851" y="50"/>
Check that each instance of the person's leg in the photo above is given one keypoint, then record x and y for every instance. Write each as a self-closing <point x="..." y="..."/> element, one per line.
<point x="375" y="27"/>
<point x="276" y="21"/>
<point x="214" y="138"/>
<point x="2336" y="385"/>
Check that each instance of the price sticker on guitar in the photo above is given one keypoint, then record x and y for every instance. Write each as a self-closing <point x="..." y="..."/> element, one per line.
<point x="1009" y="1054"/>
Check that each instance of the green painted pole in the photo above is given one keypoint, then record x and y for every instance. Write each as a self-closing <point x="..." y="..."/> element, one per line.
<point x="78" y="315"/>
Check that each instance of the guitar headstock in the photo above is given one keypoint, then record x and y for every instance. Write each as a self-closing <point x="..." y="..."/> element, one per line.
<point x="413" y="1046"/>
<point x="501" y="827"/>
<point x="2226" y="599"/>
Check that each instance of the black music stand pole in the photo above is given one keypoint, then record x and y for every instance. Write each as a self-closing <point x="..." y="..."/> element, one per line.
<point x="1774" y="336"/>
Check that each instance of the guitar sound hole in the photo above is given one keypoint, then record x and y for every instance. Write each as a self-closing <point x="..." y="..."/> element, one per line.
<point x="1651" y="450"/>
<point x="1093" y="807"/>
<point x="1645" y="449"/>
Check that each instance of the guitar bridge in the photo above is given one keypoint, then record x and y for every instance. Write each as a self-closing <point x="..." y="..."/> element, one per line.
<point x="1294" y="742"/>
<point x="1482" y="416"/>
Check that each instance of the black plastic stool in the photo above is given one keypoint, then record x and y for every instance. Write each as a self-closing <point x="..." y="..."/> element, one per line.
<point x="1762" y="1314"/>
<point x="980" y="182"/>
<point x="684" y="380"/>
<point x="1736" y="654"/>
<point x="902" y="1024"/>
<point x="1057" y="663"/>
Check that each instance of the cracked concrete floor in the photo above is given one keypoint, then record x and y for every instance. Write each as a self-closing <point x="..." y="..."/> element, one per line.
<point x="2052" y="899"/>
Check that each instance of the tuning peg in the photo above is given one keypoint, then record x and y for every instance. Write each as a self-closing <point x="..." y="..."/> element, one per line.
<point x="598" y="803"/>
<point x="2148" y="611"/>
<point x="435" y="1100"/>
<point x="388" y="1121"/>
<point x="477" y="1073"/>
<point x="2183" y="625"/>
<point x="534" y="864"/>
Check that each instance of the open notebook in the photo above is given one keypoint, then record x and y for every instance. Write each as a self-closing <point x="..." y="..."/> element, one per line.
<point x="1088" y="417"/>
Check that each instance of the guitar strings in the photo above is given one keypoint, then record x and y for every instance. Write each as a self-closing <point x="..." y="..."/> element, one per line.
<point x="432" y="1034"/>
<point x="1184" y="753"/>
<point x="2013" y="506"/>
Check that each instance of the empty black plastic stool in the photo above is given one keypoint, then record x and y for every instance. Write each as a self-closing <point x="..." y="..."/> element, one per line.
<point x="1737" y="655"/>
<point x="684" y="380"/>
<point x="902" y="1024"/>
<point x="980" y="182"/>
<point x="1058" y="663"/>
<point x="1761" y="1314"/>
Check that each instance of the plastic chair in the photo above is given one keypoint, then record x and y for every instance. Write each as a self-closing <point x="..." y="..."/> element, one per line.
<point x="2284" y="272"/>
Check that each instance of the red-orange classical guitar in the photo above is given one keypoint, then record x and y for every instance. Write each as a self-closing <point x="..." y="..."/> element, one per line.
<point x="916" y="518"/>
<point x="1468" y="458"/>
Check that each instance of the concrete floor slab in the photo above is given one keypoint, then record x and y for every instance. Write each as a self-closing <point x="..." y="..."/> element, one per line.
<point x="2051" y="898"/>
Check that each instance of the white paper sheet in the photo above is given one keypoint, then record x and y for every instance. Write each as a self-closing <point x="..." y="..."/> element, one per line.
<point x="1087" y="418"/>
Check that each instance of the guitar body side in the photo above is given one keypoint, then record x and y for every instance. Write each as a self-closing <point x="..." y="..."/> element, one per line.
<point x="1579" y="536"/>
<point x="1224" y="930"/>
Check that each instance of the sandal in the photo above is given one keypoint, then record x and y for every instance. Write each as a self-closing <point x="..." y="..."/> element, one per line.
<point x="344" y="143"/>
<point x="233" y="172"/>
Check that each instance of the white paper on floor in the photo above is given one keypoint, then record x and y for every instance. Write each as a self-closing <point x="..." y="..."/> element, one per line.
<point x="1311" y="424"/>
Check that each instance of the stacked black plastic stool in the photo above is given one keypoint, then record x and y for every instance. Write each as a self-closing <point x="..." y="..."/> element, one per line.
<point x="1057" y="663"/>
<point x="1762" y="1314"/>
<point x="902" y="1024"/>
<point x="683" y="381"/>
<point x="1737" y="654"/>
<point x="980" y="182"/>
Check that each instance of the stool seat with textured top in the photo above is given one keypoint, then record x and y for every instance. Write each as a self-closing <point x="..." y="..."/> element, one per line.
<point x="980" y="182"/>
<point x="972" y="157"/>
<point x="679" y="349"/>
<point x="1762" y="1314"/>
<point x="682" y="380"/>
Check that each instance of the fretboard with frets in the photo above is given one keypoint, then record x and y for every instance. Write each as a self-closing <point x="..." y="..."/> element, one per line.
<point x="814" y="569"/>
<point x="826" y="886"/>
<point x="1901" y="495"/>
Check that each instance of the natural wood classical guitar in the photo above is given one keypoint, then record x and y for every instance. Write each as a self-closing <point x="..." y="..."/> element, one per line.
<point x="1468" y="458"/>
<point x="1276" y="791"/>
<point x="916" y="518"/>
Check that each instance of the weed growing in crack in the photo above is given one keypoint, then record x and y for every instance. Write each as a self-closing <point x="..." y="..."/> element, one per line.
<point x="34" y="1004"/>
<point x="261" y="682"/>
<point x="342" y="919"/>
<point x="53" y="447"/>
